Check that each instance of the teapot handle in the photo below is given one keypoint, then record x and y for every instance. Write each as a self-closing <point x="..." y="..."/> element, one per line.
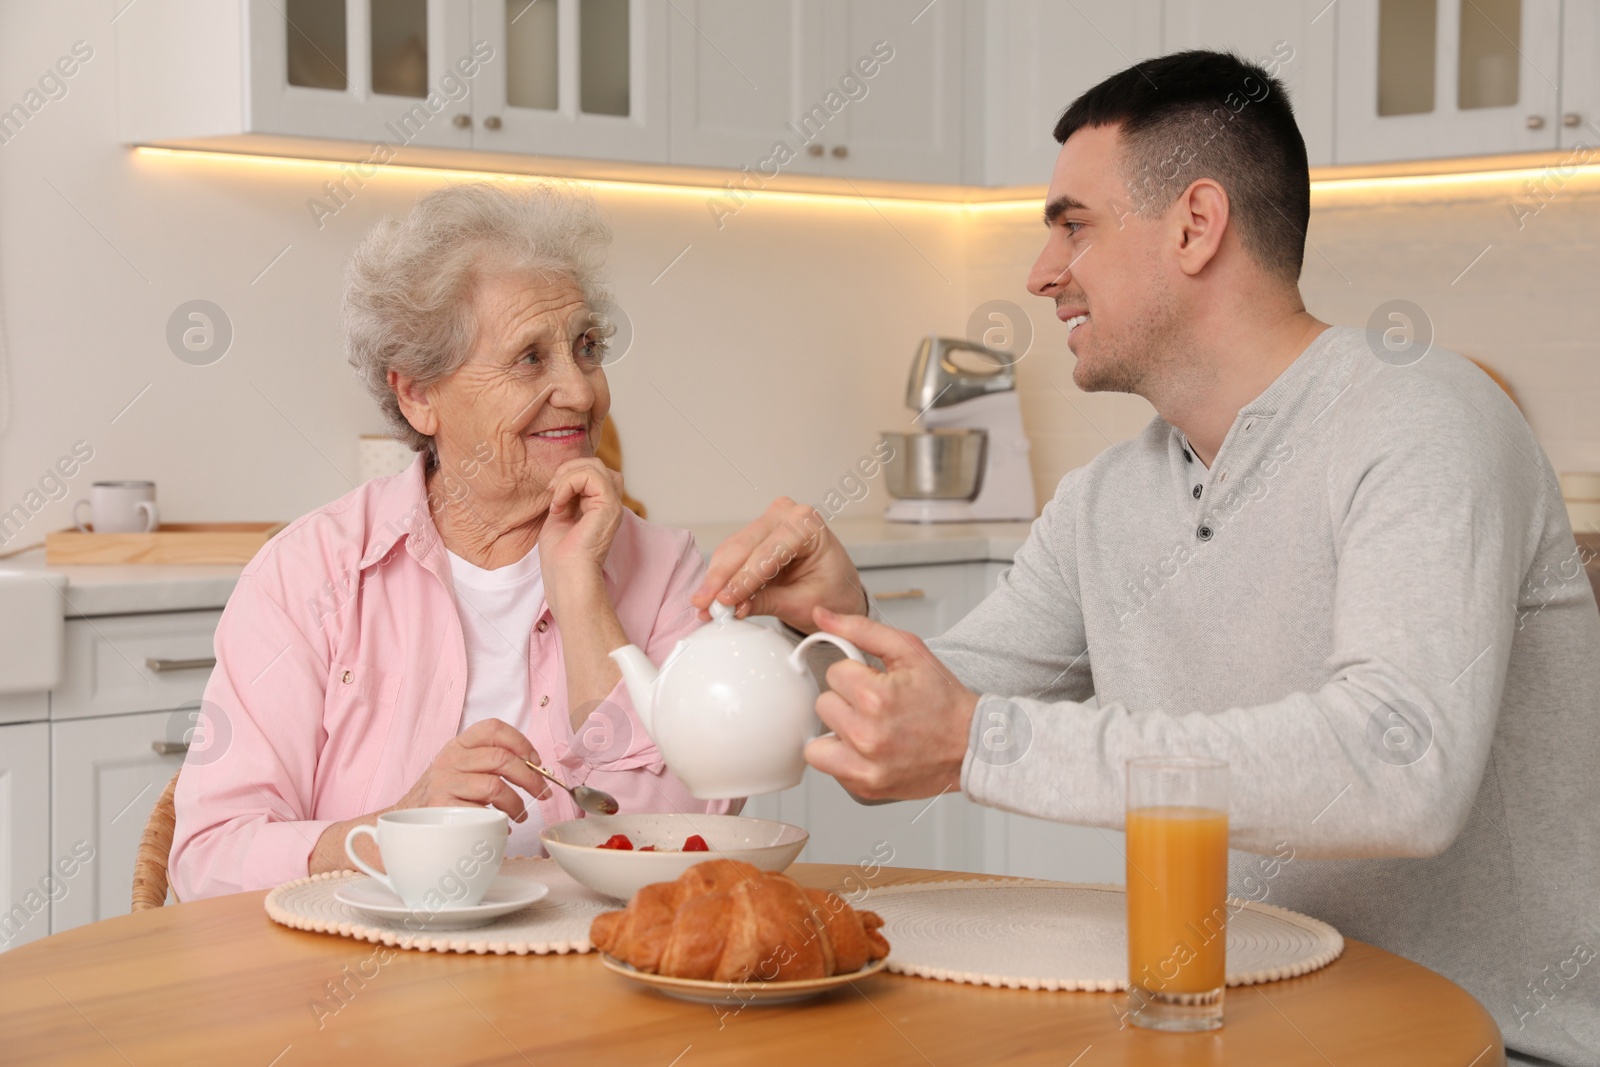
<point x="833" y="639"/>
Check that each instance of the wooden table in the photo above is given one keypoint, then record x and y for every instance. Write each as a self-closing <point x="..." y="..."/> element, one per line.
<point x="217" y="982"/>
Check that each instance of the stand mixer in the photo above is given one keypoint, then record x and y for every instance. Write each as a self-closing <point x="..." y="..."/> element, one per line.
<point x="972" y="463"/>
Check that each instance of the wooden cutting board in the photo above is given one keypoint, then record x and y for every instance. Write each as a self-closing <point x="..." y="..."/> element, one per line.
<point x="171" y="542"/>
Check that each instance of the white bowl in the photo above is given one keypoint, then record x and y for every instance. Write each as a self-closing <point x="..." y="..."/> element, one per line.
<point x="772" y="846"/>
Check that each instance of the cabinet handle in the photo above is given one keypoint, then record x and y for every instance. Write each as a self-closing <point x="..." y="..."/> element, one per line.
<point x="904" y="594"/>
<point x="161" y="666"/>
<point x="840" y="151"/>
<point x="1535" y="122"/>
<point x="813" y="150"/>
<point x="1572" y="118"/>
<point x="169" y="748"/>
<point x="492" y="122"/>
<point x="462" y="121"/>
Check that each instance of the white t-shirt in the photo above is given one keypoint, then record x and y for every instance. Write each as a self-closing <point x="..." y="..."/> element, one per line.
<point x="498" y="609"/>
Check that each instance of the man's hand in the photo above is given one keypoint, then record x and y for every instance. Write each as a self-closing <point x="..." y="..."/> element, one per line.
<point x="786" y="563"/>
<point x="901" y="733"/>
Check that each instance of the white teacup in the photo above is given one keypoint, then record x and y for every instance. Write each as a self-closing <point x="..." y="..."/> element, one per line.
<point x="437" y="858"/>
<point x="119" y="507"/>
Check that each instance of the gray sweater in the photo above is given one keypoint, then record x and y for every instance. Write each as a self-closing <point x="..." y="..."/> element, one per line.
<point x="1372" y="606"/>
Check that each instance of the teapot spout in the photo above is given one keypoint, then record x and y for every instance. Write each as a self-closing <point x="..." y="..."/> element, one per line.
<point x="639" y="675"/>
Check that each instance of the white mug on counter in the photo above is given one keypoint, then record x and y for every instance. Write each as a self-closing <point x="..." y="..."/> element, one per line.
<point x="119" y="507"/>
<point x="448" y="854"/>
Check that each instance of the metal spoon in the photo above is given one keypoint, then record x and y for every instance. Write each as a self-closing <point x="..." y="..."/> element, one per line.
<point x="596" y="801"/>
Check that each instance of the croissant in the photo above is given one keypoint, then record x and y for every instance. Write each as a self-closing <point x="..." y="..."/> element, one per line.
<point x="728" y="921"/>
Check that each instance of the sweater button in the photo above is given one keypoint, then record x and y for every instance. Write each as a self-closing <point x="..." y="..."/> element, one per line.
<point x="1197" y="492"/>
<point x="1204" y="533"/>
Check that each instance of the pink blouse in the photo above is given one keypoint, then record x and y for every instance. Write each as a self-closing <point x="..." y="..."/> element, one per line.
<point x="341" y="672"/>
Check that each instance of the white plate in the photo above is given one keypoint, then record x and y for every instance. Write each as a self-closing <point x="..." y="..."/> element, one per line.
<point x="741" y="993"/>
<point x="506" y="894"/>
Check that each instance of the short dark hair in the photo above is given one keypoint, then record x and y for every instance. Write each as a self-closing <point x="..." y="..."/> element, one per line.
<point x="1211" y="115"/>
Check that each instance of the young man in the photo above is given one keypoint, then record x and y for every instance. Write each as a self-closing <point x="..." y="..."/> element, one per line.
<point x="1338" y="562"/>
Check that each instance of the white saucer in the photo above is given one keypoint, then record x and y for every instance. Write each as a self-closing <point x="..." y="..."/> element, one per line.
<point x="506" y="894"/>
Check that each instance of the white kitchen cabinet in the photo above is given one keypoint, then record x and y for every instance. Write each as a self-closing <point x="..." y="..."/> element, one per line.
<point x="106" y="776"/>
<point x="128" y="663"/>
<point x="742" y="75"/>
<point x="1026" y="847"/>
<point x="582" y="78"/>
<point x="1039" y="55"/>
<point x="574" y="78"/>
<point x="357" y="70"/>
<point x="27" y="878"/>
<point x="24" y="707"/>
<point x="1292" y="39"/>
<point x="934" y="832"/>
<point x="1421" y="79"/>
<point x="1580" y="76"/>
<point x="907" y="124"/>
<point x="837" y="87"/>
<point x="923" y="600"/>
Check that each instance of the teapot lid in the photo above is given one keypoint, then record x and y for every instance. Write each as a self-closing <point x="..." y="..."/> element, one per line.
<point x="725" y="624"/>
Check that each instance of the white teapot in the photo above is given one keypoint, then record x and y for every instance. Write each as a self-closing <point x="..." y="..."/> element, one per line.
<point x="732" y="707"/>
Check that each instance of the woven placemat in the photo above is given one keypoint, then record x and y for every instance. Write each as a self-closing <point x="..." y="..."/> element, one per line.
<point x="558" y="923"/>
<point x="1036" y="934"/>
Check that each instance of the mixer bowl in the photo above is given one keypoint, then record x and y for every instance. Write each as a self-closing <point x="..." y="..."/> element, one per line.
<point x="937" y="465"/>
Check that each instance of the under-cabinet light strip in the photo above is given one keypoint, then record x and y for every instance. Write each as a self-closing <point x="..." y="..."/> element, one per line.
<point x="1560" y="174"/>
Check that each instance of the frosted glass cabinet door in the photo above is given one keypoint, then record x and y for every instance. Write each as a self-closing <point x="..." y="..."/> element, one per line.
<point x="1292" y="39"/>
<point x="26" y="876"/>
<point x="1425" y="79"/>
<point x="585" y="78"/>
<point x="106" y="780"/>
<point x="361" y="70"/>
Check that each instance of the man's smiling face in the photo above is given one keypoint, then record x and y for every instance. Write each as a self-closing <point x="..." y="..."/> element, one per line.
<point x="1103" y="267"/>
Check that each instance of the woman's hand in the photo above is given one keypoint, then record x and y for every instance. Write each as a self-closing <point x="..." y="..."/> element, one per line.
<point x="786" y="563"/>
<point x="472" y="769"/>
<point x="585" y="512"/>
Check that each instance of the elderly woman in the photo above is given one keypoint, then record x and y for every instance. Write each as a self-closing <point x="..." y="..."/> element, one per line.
<point x="414" y="642"/>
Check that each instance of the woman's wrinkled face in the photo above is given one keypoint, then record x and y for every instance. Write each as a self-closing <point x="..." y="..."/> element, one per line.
<point x="530" y="396"/>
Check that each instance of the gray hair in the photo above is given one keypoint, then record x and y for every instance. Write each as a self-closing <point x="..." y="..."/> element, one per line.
<point x="408" y="289"/>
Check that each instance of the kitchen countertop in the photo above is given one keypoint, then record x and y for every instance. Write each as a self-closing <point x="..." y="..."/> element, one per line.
<point x="123" y="589"/>
<point x="132" y="588"/>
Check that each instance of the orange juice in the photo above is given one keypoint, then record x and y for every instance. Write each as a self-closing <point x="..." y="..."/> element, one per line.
<point x="1177" y="899"/>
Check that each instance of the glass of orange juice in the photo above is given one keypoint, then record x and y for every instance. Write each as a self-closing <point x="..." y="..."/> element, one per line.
<point x="1177" y="892"/>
